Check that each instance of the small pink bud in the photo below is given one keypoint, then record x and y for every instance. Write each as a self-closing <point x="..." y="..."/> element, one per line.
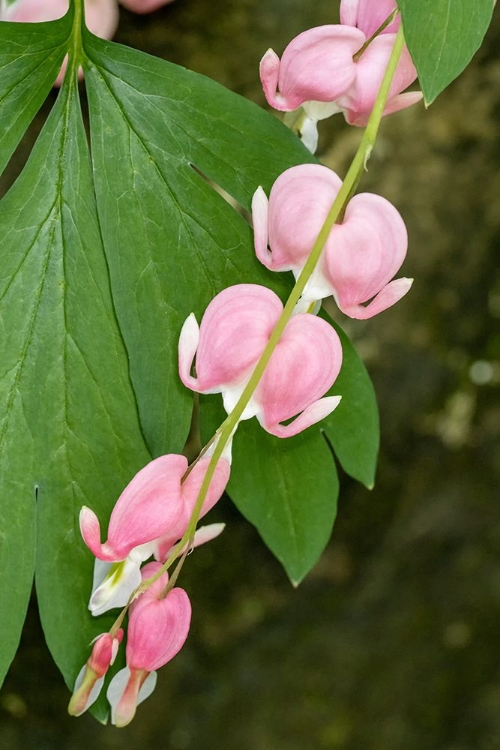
<point x="361" y="255"/>
<point x="369" y="15"/>
<point x="234" y="332"/>
<point x="158" y="627"/>
<point x="91" y="677"/>
<point x="317" y="65"/>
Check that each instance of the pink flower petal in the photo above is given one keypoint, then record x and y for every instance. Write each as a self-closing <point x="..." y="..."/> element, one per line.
<point x="148" y="507"/>
<point x="158" y="627"/>
<point x="358" y="101"/>
<point x="233" y="333"/>
<point x="311" y="415"/>
<point x="192" y="484"/>
<point x="317" y="65"/>
<point x="365" y="250"/>
<point x="387" y="297"/>
<point x="299" y="202"/>
<point x="303" y="368"/>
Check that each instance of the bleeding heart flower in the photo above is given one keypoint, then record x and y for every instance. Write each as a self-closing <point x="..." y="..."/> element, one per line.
<point x="362" y="252"/>
<point x="320" y="71"/>
<point x="234" y="332"/>
<point x="150" y="515"/>
<point x="158" y="627"/>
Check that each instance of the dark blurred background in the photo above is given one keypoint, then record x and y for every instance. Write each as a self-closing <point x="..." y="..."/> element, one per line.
<point x="392" y="642"/>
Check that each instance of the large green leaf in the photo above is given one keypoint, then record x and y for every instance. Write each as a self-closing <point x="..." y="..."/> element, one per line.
<point x="442" y="36"/>
<point x="69" y="418"/>
<point x="172" y="242"/>
<point x="30" y="58"/>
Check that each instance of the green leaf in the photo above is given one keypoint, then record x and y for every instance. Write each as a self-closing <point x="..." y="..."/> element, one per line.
<point x="30" y="59"/>
<point x="69" y="419"/>
<point x="442" y="36"/>
<point x="353" y="428"/>
<point x="172" y="242"/>
<point x="287" y="488"/>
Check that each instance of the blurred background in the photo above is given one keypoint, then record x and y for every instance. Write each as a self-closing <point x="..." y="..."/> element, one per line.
<point x="392" y="642"/>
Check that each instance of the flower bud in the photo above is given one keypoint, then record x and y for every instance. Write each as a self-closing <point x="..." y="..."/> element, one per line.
<point x="158" y="627"/>
<point x="91" y="677"/>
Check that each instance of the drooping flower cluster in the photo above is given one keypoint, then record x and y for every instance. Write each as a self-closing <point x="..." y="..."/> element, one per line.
<point x="339" y="68"/>
<point x="101" y="16"/>
<point x="362" y="253"/>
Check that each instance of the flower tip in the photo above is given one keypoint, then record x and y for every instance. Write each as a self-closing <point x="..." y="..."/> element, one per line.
<point x="188" y="344"/>
<point x="90" y="529"/>
<point x="269" y="72"/>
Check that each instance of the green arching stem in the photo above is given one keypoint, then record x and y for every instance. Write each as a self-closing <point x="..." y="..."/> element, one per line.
<point x="349" y="184"/>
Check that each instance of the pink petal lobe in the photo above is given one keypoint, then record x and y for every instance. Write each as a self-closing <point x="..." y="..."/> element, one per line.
<point x="358" y="101"/>
<point x="366" y="250"/>
<point x="148" y="508"/>
<point x="299" y="202"/>
<point x="349" y="12"/>
<point x="158" y="627"/>
<point x="387" y="297"/>
<point x="302" y="369"/>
